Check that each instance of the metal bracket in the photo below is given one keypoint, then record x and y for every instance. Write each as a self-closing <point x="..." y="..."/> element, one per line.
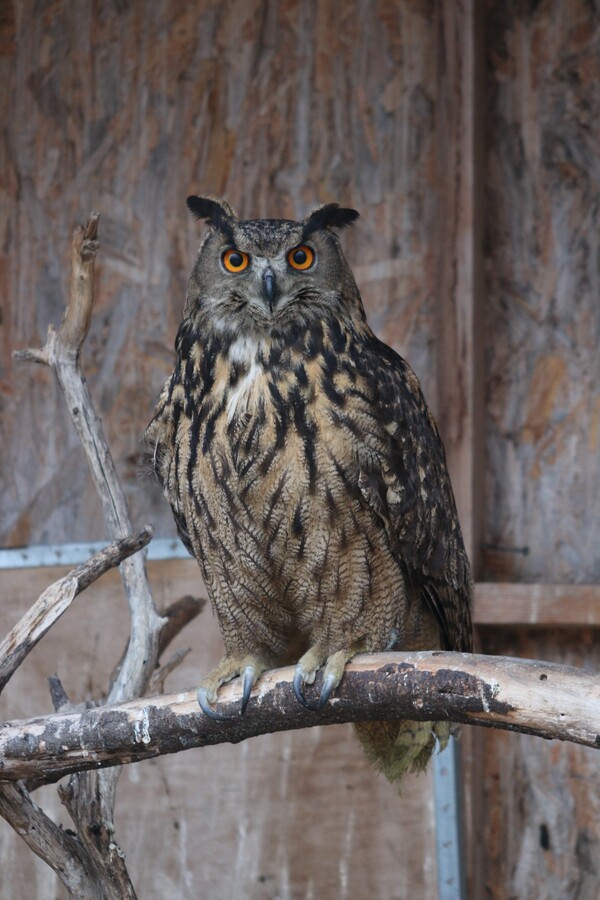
<point x="73" y="554"/>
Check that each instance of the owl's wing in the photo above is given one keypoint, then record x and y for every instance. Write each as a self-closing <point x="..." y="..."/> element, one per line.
<point x="411" y="492"/>
<point x="159" y="436"/>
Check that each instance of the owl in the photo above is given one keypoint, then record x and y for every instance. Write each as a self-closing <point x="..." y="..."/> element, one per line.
<point x="305" y="471"/>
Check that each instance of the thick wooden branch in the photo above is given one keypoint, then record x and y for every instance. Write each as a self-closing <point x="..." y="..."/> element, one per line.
<point x="59" y="848"/>
<point x="529" y="696"/>
<point x="57" y="598"/>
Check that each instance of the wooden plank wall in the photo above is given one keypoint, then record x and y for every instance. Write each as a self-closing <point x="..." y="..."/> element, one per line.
<point x="543" y="292"/>
<point x="540" y="803"/>
<point x="127" y="107"/>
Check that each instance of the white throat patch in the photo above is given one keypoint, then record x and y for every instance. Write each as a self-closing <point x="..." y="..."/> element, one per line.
<point x="244" y="350"/>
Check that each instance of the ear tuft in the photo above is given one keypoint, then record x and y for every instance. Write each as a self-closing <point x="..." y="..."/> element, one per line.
<point x="218" y="213"/>
<point x="332" y="215"/>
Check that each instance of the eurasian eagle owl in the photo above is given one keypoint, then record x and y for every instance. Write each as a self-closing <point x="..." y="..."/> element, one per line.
<point x="305" y="471"/>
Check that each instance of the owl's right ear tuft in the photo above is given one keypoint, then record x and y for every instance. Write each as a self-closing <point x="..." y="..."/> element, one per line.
<point x="331" y="215"/>
<point x="218" y="213"/>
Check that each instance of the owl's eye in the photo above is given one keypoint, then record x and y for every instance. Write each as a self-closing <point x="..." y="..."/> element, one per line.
<point x="301" y="257"/>
<point x="235" y="261"/>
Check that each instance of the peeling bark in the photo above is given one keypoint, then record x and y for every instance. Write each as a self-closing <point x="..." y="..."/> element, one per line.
<point x="533" y="697"/>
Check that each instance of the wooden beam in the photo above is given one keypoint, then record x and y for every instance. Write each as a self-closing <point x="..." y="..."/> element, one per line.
<point x="544" y="605"/>
<point x="459" y="347"/>
<point x="501" y="604"/>
<point x="459" y="344"/>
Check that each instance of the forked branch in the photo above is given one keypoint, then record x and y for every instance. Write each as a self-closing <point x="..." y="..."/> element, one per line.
<point x="90" y="797"/>
<point x="57" y="598"/>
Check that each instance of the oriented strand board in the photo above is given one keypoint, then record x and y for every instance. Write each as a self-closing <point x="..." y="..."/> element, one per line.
<point x="127" y="107"/>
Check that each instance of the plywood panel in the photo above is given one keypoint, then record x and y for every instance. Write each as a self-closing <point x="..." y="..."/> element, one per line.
<point x="127" y="108"/>
<point x="504" y="604"/>
<point x="543" y="283"/>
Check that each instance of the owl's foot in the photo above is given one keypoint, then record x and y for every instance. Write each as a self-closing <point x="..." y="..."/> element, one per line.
<point x="250" y="668"/>
<point x="308" y="666"/>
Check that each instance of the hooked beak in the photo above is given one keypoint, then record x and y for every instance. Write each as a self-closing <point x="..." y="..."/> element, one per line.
<point x="269" y="286"/>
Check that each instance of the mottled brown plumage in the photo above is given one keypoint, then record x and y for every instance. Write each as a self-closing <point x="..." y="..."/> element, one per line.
<point x="305" y="471"/>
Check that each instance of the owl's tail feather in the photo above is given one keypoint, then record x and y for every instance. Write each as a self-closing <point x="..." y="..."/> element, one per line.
<point x="396" y="748"/>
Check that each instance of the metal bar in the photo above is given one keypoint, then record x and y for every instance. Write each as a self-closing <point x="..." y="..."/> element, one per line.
<point x="73" y="554"/>
<point x="449" y="823"/>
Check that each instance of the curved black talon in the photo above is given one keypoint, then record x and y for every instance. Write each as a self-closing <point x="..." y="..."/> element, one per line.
<point x="297" y="685"/>
<point x="328" y="686"/>
<point x="247" y="684"/>
<point x="207" y="708"/>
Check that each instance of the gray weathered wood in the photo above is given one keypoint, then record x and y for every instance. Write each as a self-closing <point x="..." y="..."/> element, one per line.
<point x="57" y="598"/>
<point x="530" y="696"/>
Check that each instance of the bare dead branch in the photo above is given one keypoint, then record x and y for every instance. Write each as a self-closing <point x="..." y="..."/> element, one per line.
<point x="90" y="798"/>
<point x="529" y="696"/>
<point x="57" y="598"/>
<point x="176" y="617"/>
<point x="90" y="806"/>
<point x="61" y="352"/>
<point x="58" y="695"/>
<point x="78" y="314"/>
<point x="157" y="682"/>
<point x="59" y="848"/>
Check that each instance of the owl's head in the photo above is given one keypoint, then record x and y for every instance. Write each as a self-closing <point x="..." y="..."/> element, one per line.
<point x="270" y="273"/>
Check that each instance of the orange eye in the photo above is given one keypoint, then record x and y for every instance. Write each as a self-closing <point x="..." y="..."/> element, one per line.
<point x="235" y="261"/>
<point x="301" y="257"/>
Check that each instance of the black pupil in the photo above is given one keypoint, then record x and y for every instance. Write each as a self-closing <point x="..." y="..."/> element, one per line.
<point x="236" y="260"/>
<point x="300" y="257"/>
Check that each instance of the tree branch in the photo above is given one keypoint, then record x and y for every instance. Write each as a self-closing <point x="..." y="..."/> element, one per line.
<point x="57" y="847"/>
<point x="176" y="617"/>
<point x="529" y="696"/>
<point x="57" y="598"/>
<point x="62" y="352"/>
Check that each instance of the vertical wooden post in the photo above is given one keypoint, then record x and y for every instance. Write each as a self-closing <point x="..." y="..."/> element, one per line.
<point x="459" y="344"/>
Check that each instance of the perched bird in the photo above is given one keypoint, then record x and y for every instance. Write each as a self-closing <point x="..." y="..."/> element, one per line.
<point x="305" y="471"/>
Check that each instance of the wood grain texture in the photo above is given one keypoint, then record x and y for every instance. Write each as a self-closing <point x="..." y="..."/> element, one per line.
<point x="459" y="300"/>
<point x="543" y="310"/>
<point x="128" y="108"/>
<point x="540" y="803"/>
<point x="541" y="828"/>
<point x="576" y="605"/>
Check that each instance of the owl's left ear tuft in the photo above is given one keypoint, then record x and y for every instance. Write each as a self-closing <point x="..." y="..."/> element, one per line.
<point x="218" y="213"/>
<point x="332" y="215"/>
